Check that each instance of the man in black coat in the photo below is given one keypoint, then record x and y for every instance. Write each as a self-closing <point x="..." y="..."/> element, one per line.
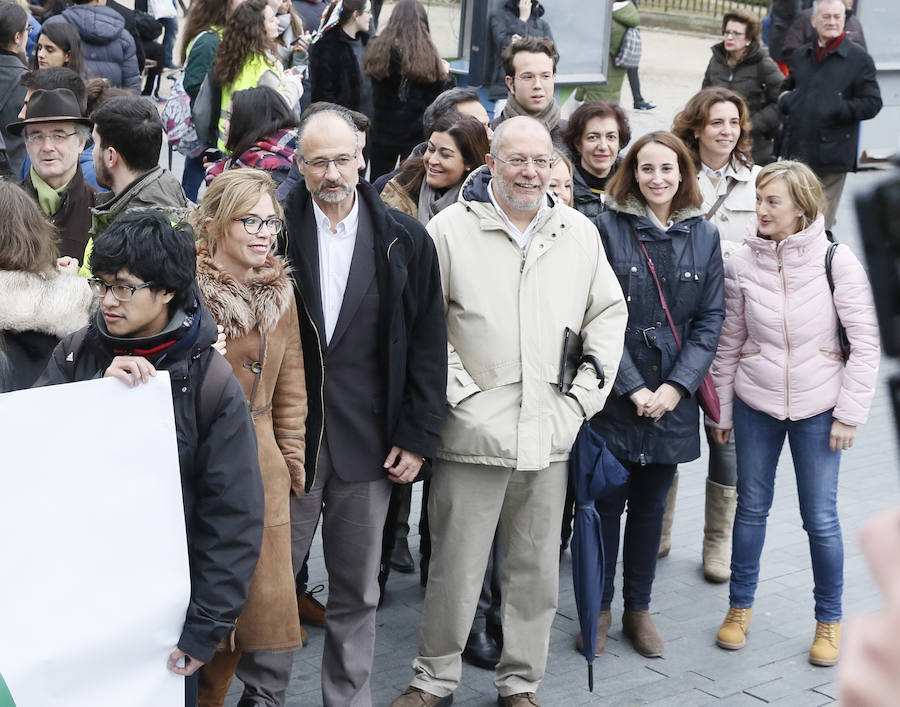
<point x="832" y="87"/>
<point x="151" y="316"/>
<point x="375" y="347"/>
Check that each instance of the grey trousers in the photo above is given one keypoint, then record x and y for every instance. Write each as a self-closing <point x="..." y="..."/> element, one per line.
<point x="722" y="460"/>
<point x="265" y="675"/>
<point x="833" y="184"/>
<point x="467" y="503"/>
<point x="353" y="515"/>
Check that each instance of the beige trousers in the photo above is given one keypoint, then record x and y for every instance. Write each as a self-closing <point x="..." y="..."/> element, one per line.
<point x="833" y="185"/>
<point x="468" y="502"/>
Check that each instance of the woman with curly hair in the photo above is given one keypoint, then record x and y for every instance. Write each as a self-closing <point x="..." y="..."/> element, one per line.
<point x="248" y="57"/>
<point x="249" y="292"/>
<point x="407" y="75"/>
<point x="59" y="44"/>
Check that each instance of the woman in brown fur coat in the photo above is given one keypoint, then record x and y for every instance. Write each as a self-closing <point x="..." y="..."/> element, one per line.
<point x="249" y="292"/>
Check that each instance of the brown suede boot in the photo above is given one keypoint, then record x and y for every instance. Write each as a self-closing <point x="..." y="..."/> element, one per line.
<point x="721" y="502"/>
<point x="665" y="542"/>
<point x="638" y="628"/>
<point x="603" y="623"/>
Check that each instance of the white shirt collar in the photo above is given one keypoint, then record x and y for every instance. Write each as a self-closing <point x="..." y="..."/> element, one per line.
<point x="521" y="237"/>
<point x="343" y="229"/>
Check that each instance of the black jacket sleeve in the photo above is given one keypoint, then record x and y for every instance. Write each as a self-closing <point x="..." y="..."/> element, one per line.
<point x="226" y="523"/>
<point x="768" y="117"/>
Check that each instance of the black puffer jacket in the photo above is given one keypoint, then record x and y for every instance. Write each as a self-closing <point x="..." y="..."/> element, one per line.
<point x="334" y="72"/>
<point x="505" y="23"/>
<point x="221" y="482"/>
<point x="694" y="286"/>
<point x="758" y="79"/>
<point x="824" y="104"/>
<point x="584" y="200"/>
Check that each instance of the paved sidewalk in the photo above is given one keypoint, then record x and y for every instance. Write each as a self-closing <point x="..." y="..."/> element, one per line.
<point x="687" y="610"/>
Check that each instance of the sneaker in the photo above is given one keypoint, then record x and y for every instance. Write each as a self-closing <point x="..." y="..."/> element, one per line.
<point x="643" y="105"/>
<point x="734" y="629"/>
<point x="826" y="647"/>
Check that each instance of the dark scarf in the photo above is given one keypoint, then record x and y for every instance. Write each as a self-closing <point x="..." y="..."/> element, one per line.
<point x="596" y="184"/>
<point x="179" y="335"/>
<point x="432" y="202"/>
<point x="822" y="52"/>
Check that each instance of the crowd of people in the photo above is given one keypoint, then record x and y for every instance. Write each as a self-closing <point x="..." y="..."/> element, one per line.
<point x="331" y="338"/>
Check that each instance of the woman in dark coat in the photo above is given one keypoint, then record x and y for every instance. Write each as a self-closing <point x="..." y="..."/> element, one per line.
<point x="407" y="74"/>
<point x="651" y="419"/>
<point x="515" y="19"/>
<point x="335" y="60"/>
<point x="741" y="62"/>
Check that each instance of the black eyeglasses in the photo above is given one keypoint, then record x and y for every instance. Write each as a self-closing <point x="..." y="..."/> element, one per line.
<point x="254" y="224"/>
<point x="120" y="291"/>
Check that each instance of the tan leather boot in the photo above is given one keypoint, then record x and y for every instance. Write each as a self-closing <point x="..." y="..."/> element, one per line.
<point x="826" y="647"/>
<point x="734" y="629"/>
<point x="603" y="623"/>
<point x="665" y="542"/>
<point x="639" y="629"/>
<point x="721" y="502"/>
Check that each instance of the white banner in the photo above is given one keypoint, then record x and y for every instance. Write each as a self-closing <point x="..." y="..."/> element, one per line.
<point x="95" y="580"/>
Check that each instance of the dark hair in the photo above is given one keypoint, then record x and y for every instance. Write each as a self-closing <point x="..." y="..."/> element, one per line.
<point x="13" y="20"/>
<point x="406" y="40"/>
<point x="57" y="77"/>
<point x="256" y="113"/>
<point x="744" y="18"/>
<point x="445" y="104"/>
<point x="584" y="114"/>
<point x="66" y="37"/>
<point x="695" y="115"/>
<point x="624" y="182"/>
<point x="347" y="10"/>
<point x="131" y="125"/>
<point x="27" y="239"/>
<point x="244" y="36"/>
<point x="201" y="16"/>
<point x="532" y="45"/>
<point x="470" y="138"/>
<point x="144" y="242"/>
<point x="360" y="120"/>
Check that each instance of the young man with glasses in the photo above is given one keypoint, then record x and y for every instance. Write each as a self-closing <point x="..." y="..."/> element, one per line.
<point x="150" y="317"/>
<point x="530" y="65"/>
<point x="375" y="353"/>
<point x="55" y="135"/>
<point x="517" y="268"/>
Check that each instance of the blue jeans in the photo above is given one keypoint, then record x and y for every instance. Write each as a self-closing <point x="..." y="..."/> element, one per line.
<point x="170" y="25"/>
<point x="192" y="177"/>
<point x="760" y="438"/>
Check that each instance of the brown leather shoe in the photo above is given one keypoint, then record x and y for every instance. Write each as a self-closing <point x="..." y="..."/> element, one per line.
<point x="312" y="611"/>
<point x="520" y="699"/>
<point x="304" y="636"/>
<point x="603" y="623"/>
<point x="414" y="697"/>
<point x="638" y="628"/>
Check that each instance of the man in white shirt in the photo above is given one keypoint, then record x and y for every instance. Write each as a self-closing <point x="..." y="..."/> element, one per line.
<point x="375" y="354"/>
<point x="517" y="268"/>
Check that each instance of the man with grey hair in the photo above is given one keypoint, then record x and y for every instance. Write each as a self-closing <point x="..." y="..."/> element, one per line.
<point x="55" y="135"/>
<point x="519" y="269"/>
<point x="831" y="88"/>
<point x="375" y="352"/>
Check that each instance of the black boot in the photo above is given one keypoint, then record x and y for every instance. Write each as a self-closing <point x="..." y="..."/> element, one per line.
<point x="481" y="650"/>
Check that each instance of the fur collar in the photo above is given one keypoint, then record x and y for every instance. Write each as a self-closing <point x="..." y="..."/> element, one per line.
<point x="636" y="207"/>
<point x="54" y="304"/>
<point x="240" y="308"/>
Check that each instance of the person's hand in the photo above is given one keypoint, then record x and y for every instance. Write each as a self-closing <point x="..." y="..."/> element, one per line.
<point x="301" y="43"/>
<point x="720" y="436"/>
<point x="445" y="67"/>
<point x="524" y="10"/>
<point x="640" y="398"/>
<point x="515" y="38"/>
<point x="220" y="340"/>
<point x="842" y="436"/>
<point x="870" y="662"/>
<point x="67" y="265"/>
<point x="662" y="400"/>
<point x="402" y="466"/>
<point x="191" y="665"/>
<point x="132" y="370"/>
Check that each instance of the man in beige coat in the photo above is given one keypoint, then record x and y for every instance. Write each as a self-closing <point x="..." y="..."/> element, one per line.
<point x="517" y="268"/>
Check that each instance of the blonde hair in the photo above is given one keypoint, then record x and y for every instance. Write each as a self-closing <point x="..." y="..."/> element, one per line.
<point x="803" y="186"/>
<point x="230" y="195"/>
<point x="560" y="156"/>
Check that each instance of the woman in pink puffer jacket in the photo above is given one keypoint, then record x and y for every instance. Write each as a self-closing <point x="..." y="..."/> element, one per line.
<point x="779" y="372"/>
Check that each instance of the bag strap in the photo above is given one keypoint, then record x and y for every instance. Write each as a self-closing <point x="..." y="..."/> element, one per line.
<point x="75" y="343"/>
<point x="732" y="183"/>
<point x="662" y="298"/>
<point x="211" y="388"/>
<point x="829" y="256"/>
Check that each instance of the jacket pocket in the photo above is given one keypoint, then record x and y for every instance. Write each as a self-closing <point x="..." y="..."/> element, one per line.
<point x="836" y="147"/>
<point x="832" y="355"/>
<point x="748" y="354"/>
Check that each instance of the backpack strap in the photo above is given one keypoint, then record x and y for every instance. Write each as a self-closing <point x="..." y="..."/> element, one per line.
<point x="75" y="344"/>
<point x="211" y="388"/>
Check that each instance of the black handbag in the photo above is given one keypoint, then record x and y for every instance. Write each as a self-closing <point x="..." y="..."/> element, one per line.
<point x="842" y="333"/>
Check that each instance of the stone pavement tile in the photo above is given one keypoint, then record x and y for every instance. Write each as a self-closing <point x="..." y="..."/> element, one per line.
<point x="668" y="687"/>
<point x="829" y="689"/>
<point x="738" y="677"/>
<point x="796" y="679"/>
<point x="692" y="698"/>
<point x="806" y="698"/>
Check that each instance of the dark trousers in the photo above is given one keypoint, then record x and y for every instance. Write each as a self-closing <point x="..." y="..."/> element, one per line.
<point x="192" y="177"/>
<point x="190" y="690"/>
<point x="383" y="158"/>
<point x="645" y="498"/>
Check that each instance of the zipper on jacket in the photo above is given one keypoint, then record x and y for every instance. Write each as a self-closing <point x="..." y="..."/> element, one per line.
<point x="522" y="264"/>
<point x="787" y="344"/>
<point x="321" y="388"/>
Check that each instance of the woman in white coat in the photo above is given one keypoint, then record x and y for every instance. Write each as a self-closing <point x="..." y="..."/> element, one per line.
<point x="715" y="125"/>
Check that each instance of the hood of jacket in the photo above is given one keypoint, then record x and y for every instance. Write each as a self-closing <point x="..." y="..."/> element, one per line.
<point x="242" y="307"/>
<point x="95" y="23"/>
<point x="636" y="207"/>
<point x="157" y="189"/>
<point x="756" y="52"/>
<point x="627" y="13"/>
<point x="49" y="304"/>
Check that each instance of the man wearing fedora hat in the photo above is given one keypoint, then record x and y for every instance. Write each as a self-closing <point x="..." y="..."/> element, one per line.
<point x="55" y="134"/>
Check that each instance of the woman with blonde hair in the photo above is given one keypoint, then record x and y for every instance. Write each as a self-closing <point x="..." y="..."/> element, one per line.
<point x="39" y="303"/>
<point x="248" y="289"/>
<point x="781" y="371"/>
<point x="669" y="264"/>
<point x="561" y="178"/>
